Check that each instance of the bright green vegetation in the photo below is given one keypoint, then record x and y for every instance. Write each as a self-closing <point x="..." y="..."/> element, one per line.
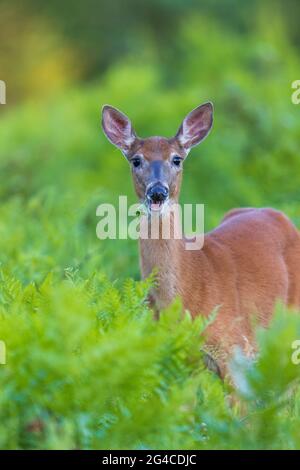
<point x="87" y="366"/>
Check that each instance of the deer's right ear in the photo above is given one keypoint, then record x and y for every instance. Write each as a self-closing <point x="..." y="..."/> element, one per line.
<point x="117" y="128"/>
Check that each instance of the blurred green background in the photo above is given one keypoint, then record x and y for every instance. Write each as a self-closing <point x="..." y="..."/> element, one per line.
<point x="155" y="60"/>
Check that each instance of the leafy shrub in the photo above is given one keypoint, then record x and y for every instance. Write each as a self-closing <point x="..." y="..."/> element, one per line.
<point x="88" y="367"/>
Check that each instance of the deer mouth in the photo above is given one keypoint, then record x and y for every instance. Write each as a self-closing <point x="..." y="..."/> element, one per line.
<point x="156" y="206"/>
<point x="156" y="197"/>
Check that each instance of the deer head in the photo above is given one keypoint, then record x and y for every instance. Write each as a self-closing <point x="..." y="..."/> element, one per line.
<point x="156" y="162"/>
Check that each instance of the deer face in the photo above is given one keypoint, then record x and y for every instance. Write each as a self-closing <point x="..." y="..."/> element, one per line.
<point x="156" y="162"/>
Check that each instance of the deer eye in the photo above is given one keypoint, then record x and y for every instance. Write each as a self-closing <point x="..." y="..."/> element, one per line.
<point x="176" y="160"/>
<point x="136" y="161"/>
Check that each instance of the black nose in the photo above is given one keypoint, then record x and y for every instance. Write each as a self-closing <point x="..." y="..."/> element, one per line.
<point x="157" y="193"/>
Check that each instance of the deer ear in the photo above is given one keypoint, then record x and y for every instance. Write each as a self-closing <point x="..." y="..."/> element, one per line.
<point x="117" y="128"/>
<point x="195" y="126"/>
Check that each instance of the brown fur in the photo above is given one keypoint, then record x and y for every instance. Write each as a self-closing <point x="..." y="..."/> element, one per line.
<point x="247" y="263"/>
<point x="251" y="260"/>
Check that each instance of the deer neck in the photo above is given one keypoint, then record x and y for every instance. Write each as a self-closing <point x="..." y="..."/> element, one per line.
<point x="163" y="256"/>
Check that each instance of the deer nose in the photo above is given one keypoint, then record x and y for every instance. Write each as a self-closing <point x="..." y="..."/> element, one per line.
<point x="157" y="193"/>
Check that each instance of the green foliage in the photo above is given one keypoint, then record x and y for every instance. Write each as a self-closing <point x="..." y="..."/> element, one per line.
<point x="87" y="366"/>
<point x="43" y="47"/>
<point x="88" y="363"/>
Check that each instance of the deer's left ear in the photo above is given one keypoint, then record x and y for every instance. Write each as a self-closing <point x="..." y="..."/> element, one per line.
<point x="117" y="128"/>
<point x="195" y="126"/>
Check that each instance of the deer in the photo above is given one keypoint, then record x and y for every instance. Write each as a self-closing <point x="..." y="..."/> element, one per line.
<point x="246" y="265"/>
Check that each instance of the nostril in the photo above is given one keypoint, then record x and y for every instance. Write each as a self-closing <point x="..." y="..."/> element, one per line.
<point x="158" y="194"/>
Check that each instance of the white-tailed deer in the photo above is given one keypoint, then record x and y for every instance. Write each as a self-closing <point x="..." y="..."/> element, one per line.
<point x="251" y="260"/>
